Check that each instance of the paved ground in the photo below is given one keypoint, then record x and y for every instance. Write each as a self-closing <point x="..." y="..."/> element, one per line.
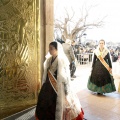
<point x="96" y="107"/>
<point x="105" y="107"/>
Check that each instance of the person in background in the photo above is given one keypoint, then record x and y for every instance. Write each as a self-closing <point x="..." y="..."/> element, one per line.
<point x="73" y="45"/>
<point x="68" y="50"/>
<point x="112" y="53"/>
<point x="56" y="101"/>
<point x="101" y="79"/>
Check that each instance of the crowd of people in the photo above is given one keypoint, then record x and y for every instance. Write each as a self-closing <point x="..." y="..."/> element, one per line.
<point x="56" y="101"/>
<point x="115" y="54"/>
<point x="80" y="49"/>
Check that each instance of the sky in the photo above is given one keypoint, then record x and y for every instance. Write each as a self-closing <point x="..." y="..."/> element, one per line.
<point x="107" y="9"/>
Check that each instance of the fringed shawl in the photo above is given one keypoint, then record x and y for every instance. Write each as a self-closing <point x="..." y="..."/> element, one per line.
<point x="103" y="53"/>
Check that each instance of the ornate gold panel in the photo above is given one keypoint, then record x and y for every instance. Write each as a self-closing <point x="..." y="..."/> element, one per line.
<point x="19" y="59"/>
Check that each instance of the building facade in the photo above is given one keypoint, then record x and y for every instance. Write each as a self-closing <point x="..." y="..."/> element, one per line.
<point x="26" y="28"/>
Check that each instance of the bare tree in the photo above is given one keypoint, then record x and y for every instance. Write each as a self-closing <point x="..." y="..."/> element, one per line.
<point x="70" y="28"/>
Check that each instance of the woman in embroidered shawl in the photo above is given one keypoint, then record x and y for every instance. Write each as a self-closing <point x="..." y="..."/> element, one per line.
<point x="101" y="79"/>
<point x="55" y="100"/>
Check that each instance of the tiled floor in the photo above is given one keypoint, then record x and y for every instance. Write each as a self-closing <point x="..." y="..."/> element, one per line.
<point x="96" y="107"/>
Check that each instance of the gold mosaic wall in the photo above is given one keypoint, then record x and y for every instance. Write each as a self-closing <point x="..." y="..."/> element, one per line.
<point x="19" y="53"/>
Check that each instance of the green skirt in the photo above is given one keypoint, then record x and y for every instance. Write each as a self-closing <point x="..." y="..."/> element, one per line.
<point x="110" y="87"/>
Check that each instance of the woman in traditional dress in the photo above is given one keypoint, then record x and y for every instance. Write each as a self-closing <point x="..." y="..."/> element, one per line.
<point x="55" y="100"/>
<point x="101" y="79"/>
